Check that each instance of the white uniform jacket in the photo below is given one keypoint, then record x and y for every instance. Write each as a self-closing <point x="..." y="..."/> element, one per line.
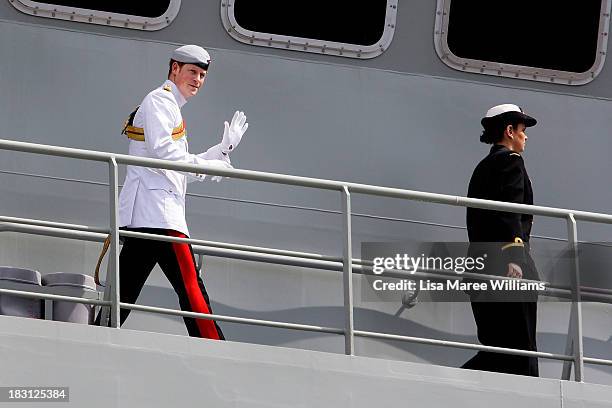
<point x="155" y="198"/>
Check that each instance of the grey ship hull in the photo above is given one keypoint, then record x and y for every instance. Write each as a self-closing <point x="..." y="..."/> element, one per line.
<point x="402" y="120"/>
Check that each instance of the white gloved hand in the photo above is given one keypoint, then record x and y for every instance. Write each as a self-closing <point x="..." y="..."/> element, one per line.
<point x="221" y="164"/>
<point x="232" y="132"/>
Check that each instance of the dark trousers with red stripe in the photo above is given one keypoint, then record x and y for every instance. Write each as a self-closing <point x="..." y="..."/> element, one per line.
<point x="138" y="258"/>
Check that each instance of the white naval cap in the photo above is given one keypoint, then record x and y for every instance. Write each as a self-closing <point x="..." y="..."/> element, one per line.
<point x="192" y="54"/>
<point x="510" y="111"/>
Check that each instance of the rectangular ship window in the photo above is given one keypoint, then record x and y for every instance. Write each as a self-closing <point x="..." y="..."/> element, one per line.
<point x="343" y="21"/>
<point x="540" y="40"/>
<point x="149" y="8"/>
<point x="340" y="27"/>
<point x="145" y="15"/>
<point x="541" y="34"/>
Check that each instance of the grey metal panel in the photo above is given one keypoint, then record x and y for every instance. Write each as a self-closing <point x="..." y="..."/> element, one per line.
<point x="411" y="50"/>
<point x="579" y="395"/>
<point x="315" y="297"/>
<point x="311" y="119"/>
<point x="105" y="367"/>
<point x="311" y="116"/>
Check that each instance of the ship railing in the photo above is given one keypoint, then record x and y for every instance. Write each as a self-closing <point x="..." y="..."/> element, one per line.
<point x="347" y="264"/>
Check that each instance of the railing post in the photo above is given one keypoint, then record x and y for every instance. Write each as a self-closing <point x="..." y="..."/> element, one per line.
<point x="113" y="260"/>
<point x="199" y="264"/>
<point x="349" y="337"/>
<point x="575" y="326"/>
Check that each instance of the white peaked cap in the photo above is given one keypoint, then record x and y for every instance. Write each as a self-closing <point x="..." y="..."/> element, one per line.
<point x="508" y="110"/>
<point x="192" y="54"/>
<point x="499" y="109"/>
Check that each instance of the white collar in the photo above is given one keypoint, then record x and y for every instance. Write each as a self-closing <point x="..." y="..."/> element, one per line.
<point x="180" y="99"/>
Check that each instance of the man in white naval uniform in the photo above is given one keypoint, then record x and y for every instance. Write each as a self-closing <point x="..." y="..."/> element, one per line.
<point x="153" y="200"/>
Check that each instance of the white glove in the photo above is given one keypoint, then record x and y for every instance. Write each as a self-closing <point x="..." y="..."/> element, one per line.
<point x="232" y="132"/>
<point x="218" y="163"/>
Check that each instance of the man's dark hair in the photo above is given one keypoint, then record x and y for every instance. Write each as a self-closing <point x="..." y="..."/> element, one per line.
<point x="494" y="128"/>
<point x="180" y="64"/>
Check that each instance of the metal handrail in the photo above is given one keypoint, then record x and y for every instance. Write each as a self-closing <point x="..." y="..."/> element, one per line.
<point x="468" y="346"/>
<point x="51" y="296"/>
<point x="346" y="189"/>
<point x="265" y="258"/>
<point x="286" y="206"/>
<point x="290" y="258"/>
<point x="458" y="201"/>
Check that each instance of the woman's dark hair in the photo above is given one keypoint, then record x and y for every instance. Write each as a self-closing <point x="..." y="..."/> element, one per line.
<point x="494" y="127"/>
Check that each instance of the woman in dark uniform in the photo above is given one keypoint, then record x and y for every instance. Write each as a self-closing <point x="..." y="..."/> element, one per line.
<point x="501" y="176"/>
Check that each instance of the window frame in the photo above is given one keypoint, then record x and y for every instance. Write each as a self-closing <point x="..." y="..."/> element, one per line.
<point x="83" y="15"/>
<point x="308" y="44"/>
<point x="520" y="71"/>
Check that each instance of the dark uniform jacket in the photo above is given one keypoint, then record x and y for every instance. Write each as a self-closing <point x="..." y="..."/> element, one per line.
<point x="501" y="176"/>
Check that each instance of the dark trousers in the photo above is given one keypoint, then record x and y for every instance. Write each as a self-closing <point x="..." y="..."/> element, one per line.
<point x="138" y="258"/>
<point x="510" y="325"/>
